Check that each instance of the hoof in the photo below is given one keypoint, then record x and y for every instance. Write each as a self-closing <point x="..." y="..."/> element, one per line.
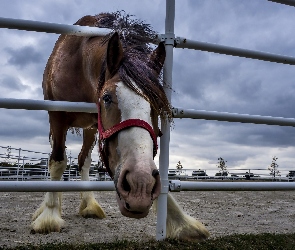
<point x="38" y="212"/>
<point x="92" y="210"/>
<point x="48" y="221"/>
<point x="193" y="234"/>
<point x="189" y="230"/>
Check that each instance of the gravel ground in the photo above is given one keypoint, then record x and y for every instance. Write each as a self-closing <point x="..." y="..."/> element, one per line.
<point x="223" y="213"/>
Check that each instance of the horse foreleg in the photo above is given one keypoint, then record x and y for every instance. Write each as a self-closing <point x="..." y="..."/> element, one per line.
<point x="180" y="225"/>
<point x="89" y="207"/>
<point x="47" y="217"/>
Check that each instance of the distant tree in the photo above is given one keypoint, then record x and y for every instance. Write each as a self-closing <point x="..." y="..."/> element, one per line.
<point x="222" y="166"/>
<point x="273" y="168"/>
<point x="28" y="165"/>
<point x="6" y="164"/>
<point x="179" y="166"/>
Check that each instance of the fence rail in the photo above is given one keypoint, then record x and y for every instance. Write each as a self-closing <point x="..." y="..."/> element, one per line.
<point x="177" y="186"/>
<point x="233" y="51"/>
<point x="56" y="28"/>
<point x="55" y="186"/>
<point x="180" y="42"/>
<point x="9" y="103"/>
<point x="232" y="117"/>
<point x="174" y="186"/>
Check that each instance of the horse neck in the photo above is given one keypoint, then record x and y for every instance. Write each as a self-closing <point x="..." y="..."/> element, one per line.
<point x="93" y="54"/>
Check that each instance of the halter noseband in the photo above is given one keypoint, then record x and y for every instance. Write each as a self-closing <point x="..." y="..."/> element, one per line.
<point x="105" y="134"/>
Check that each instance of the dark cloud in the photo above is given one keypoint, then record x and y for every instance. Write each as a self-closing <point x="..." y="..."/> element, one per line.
<point x="11" y="84"/>
<point x="23" y="56"/>
<point x="23" y="124"/>
<point x="239" y="133"/>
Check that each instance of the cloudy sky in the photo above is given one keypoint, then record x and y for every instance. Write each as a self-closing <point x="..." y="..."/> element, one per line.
<point x="201" y="80"/>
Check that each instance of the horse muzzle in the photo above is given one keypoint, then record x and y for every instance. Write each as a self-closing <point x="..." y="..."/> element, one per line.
<point x="136" y="192"/>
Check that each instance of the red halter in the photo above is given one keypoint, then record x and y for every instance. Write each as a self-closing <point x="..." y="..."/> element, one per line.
<point x="105" y="134"/>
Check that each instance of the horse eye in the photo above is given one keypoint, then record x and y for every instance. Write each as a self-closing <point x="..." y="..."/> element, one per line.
<point x="107" y="98"/>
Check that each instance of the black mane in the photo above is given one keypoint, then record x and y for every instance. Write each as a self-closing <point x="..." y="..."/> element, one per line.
<point x="136" y="38"/>
<point x="132" y="32"/>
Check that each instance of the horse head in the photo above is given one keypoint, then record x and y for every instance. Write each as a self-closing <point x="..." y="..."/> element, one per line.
<point x="128" y="125"/>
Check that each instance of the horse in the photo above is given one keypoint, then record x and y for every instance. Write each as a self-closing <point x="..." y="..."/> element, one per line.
<point x="121" y="73"/>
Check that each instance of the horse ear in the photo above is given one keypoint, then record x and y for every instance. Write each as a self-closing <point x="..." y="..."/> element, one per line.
<point x="114" y="54"/>
<point x="157" y="58"/>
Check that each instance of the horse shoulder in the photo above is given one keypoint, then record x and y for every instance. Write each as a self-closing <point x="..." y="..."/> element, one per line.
<point x="63" y="70"/>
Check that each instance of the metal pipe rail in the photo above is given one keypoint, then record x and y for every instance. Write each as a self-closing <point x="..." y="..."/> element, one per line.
<point x="174" y="186"/>
<point x="28" y="104"/>
<point x="227" y="50"/>
<point x="10" y="103"/>
<point x="177" y="186"/>
<point x="25" y="150"/>
<point x="56" y="28"/>
<point x="180" y="42"/>
<point x="232" y="117"/>
<point x="56" y="186"/>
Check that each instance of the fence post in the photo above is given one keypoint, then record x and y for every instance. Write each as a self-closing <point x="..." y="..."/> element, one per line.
<point x="165" y="126"/>
<point x="18" y="166"/>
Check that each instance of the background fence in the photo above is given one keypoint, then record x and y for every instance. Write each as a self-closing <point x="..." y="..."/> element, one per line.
<point x="15" y="165"/>
<point x="170" y="42"/>
<point x="25" y="165"/>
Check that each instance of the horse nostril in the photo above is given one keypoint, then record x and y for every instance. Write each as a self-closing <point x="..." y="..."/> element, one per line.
<point x="127" y="206"/>
<point x="157" y="186"/>
<point x="125" y="184"/>
<point x="155" y="173"/>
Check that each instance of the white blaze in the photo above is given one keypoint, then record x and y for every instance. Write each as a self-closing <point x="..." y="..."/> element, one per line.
<point x="133" y="106"/>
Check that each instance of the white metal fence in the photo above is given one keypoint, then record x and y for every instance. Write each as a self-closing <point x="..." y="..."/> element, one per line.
<point x="170" y="41"/>
<point x="16" y="165"/>
<point x="19" y="164"/>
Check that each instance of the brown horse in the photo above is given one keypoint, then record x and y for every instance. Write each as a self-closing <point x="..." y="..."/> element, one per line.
<point x="121" y="73"/>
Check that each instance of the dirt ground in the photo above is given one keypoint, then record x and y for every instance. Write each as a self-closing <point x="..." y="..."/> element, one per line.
<point x="223" y="213"/>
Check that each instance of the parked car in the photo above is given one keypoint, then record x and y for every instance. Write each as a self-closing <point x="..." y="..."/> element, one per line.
<point x="199" y="173"/>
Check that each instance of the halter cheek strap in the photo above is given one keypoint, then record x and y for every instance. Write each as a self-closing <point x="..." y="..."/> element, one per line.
<point x="105" y="134"/>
